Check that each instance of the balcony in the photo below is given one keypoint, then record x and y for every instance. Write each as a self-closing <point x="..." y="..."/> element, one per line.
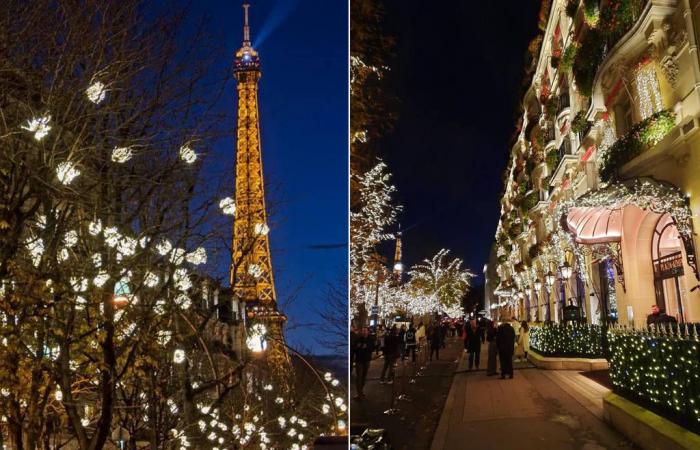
<point x="565" y="148"/>
<point x="563" y="159"/>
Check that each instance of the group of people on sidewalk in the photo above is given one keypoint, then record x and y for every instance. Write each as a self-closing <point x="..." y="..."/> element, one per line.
<point x="502" y="344"/>
<point x="396" y="342"/>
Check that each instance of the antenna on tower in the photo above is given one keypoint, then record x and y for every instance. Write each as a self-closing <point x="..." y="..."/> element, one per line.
<point x="246" y="27"/>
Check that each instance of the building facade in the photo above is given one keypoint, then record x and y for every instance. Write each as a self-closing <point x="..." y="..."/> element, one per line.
<point x="602" y="191"/>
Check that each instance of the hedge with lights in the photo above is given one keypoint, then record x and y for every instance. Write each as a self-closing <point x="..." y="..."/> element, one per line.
<point x="660" y="370"/>
<point x="567" y="340"/>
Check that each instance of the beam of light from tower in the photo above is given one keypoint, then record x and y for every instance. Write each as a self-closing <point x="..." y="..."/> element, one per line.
<point x="279" y="13"/>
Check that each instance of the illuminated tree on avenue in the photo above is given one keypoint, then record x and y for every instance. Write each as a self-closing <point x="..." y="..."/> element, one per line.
<point x="440" y="282"/>
<point x="375" y="212"/>
<point x="110" y="328"/>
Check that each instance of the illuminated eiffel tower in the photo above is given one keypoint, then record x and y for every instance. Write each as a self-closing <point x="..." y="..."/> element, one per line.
<point x="251" y="268"/>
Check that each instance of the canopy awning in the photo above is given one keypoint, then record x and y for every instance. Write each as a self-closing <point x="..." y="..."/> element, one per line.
<point x="595" y="224"/>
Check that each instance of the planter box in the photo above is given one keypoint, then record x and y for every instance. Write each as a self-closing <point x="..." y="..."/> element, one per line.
<point x="646" y="429"/>
<point x="557" y="363"/>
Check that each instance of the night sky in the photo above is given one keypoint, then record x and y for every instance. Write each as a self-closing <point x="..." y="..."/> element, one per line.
<point x="304" y="122"/>
<point x="456" y="71"/>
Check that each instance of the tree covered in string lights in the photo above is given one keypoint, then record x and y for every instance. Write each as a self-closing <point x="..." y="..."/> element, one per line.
<point x="370" y="221"/>
<point x="440" y="281"/>
<point x="109" y="327"/>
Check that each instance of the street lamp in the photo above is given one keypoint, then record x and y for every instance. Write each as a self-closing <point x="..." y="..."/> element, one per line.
<point x="566" y="270"/>
<point x="550" y="278"/>
<point x="538" y="285"/>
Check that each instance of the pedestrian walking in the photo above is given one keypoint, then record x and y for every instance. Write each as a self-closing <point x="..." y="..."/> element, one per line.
<point x="411" y="342"/>
<point x="492" y="349"/>
<point x="353" y="344"/>
<point x="443" y="335"/>
<point x="505" y="341"/>
<point x="364" y="346"/>
<point x="402" y="341"/>
<point x="391" y="354"/>
<point x="523" y="342"/>
<point x="475" y="337"/>
<point x="435" y="338"/>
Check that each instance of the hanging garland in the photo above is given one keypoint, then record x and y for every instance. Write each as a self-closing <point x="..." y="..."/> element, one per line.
<point x="646" y="194"/>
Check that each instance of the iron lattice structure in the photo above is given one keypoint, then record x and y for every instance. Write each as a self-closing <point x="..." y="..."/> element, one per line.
<point x="251" y="269"/>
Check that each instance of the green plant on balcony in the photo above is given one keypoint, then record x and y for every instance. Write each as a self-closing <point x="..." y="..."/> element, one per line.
<point x="529" y="201"/>
<point x="568" y="57"/>
<point x="591" y="12"/>
<point x="641" y="137"/>
<point x="587" y="60"/>
<point x="618" y="17"/>
<point x="502" y="258"/>
<point x="550" y="108"/>
<point x="552" y="159"/>
<point x="580" y="123"/>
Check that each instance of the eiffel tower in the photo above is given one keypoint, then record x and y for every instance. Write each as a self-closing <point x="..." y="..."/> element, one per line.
<point x="251" y="269"/>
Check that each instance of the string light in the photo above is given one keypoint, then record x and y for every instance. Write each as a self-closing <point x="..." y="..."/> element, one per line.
<point x="187" y="154"/>
<point x="39" y="126"/>
<point x="121" y="154"/>
<point x="96" y="92"/>
<point x="228" y="206"/>
<point x="66" y="172"/>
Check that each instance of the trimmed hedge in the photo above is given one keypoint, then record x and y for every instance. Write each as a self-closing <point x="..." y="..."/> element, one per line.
<point x="660" y="371"/>
<point x="569" y="340"/>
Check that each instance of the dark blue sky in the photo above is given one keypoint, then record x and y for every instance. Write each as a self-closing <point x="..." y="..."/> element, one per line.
<point x="304" y="122"/>
<point x="456" y="71"/>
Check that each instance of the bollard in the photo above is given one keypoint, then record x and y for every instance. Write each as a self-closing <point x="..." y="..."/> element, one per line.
<point x="403" y="396"/>
<point x="392" y="399"/>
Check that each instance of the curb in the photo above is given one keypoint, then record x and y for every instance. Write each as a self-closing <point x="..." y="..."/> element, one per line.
<point x="440" y="435"/>
<point x="646" y="429"/>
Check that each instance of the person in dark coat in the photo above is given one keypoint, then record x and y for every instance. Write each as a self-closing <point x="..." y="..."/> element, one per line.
<point x="435" y="338"/>
<point x="402" y="341"/>
<point x="410" y="339"/>
<point x="505" y="341"/>
<point x="391" y="354"/>
<point x="364" y="346"/>
<point x="493" y="348"/>
<point x="443" y="335"/>
<point x="658" y="317"/>
<point x="475" y="337"/>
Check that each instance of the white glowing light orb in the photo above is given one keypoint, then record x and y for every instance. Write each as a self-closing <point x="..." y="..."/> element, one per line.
<point x="256" y="340"/>
<point x="187" y="154"/>
<point x="39" y="126"/>
<point x="228" y="206"/>
<point x="197" y="257"/>
<point x="96" y="92"/>
<point x="101" y="278"/>
<point x="95" y="228"/>
<point x="179" y="356"/>
<point x="261" y="229"/>
<point x="121" y="154"/>
<point x="164" y="247"/>
<point x="66" y="172"/>
<point x="255" y="270"/>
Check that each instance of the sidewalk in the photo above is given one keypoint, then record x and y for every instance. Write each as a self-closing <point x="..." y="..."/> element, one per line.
<point x="413" y="425"/>
<point x="537" y="409"/>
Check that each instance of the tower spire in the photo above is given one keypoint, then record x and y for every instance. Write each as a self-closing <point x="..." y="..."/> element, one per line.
<point x="246" y="27"/>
